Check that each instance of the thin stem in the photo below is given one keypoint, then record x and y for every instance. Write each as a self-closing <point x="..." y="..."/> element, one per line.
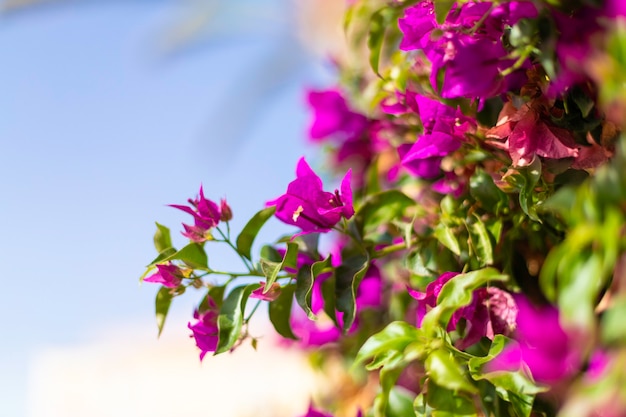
<point x="226" y="239"/>
<point x="238" y="274"/>
<point x="480" y="21"/>
<point x="397" y="247"/>
<point x="258" y="303"/>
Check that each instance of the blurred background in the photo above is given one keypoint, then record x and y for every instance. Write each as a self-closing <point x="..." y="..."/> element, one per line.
<point x="109" y="110"/>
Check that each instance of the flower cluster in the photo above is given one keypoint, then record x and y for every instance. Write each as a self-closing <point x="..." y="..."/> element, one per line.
<point x="467" y="46"/>
<point x="308" y="206"/>
<point x="206" y="215"/>
<point x="477" y="262"/>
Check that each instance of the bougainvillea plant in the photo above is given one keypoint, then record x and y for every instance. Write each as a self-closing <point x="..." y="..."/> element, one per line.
<point x="474" y="256"/>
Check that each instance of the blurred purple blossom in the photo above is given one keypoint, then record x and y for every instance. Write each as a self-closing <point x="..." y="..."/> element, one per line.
<point x="312" y="412"/>
<point x="473" y="57"/>
<point x="492" y="311"/>
<point x="204" y="328"/>
<point x="444" y="130"/>
<point x="332" y="117"/>
<point x="542" y="344"/>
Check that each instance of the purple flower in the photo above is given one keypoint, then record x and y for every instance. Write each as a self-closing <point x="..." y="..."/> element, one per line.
<point x="444" y="129"/>
<point x="226" y="213"/>
<point x="206" y="215"/>
<point x="168" y="275"/>
<point x="204" y="328"/>
<point x="543" y="345"/>
<point x="271" y="295"/>
<point x="472" y="63"/>
<point x="333" y="118"/>
<point x="311" y="412"/>
<point x="492" y="311"/>
<point x="308" y="206"/>
<point x="472" y="66"/>
<point x="428" y="299"/>
<point x="416" y="26"/>
<point x="450" y="184"/>
<point x="528" y="135"/>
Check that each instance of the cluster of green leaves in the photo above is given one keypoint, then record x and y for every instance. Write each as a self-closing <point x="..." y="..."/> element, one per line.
<point x="454" y="383"/>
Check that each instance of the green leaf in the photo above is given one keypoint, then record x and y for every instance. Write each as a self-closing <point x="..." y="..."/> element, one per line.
<point x="375" y="38"/>
<point x="271" y="269"/>
<point x="162" y="257"/>
<point x="348" y="278"/>
<point x="328" y="294"/>
<point x="304" y="284"/>
<point x="379" y="22"/>
<point x="442" y="399"/>
<point x="382" y="208"/>
<point x="269" y="253"/>
<point x="443" y="369"/>
<point x="446" y="236"/>
<point x="162" y="306"/>
<point x="613" y="323"/>
<point x="392" y="401"/>
<point x="400" y="403"/>
<point x="162" y="238"/>
<point x="230" y="319"/>
<point x="485" y="191"/>
<point x="442" y="8"/>
<point x="395" y="337"/>
<point x="193" y="255"/>
<point x="280" y="312"/>
<point x="531" y="175"/>
<point x="584" y="103"/>
<point x="481" y="241"/>
<point x="512" y="386"/>
<point x="251" y="229"/>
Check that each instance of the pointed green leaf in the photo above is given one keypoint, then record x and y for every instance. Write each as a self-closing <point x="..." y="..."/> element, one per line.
<point x="443" y="369"/>
<point x="193" y="255"/>
<point x="442" y="8"/>
<point x="481" y="241"/>
<point x="442" y="399"/>
<point x="162" y="306"/>
<point x="388" y="403"/>
<point x="280" y="312"/>
<point x="328" y="294"/>
<point x="379" y="22"/>
<point x="304" y="284"/>
<point x="251" y="229"/>
<point x="382" y="208"/>
<point x="485" y="191"/>
<point x="162" y="238"/>
<point x="348" y="278"/>
<point x="162" y="257"/>
<point x="271" y="269"/>
<point x="395" y="337"/>
<point x="531" y="175"/>
<point x="446" y="236"/>
<point x="230" y="319"/>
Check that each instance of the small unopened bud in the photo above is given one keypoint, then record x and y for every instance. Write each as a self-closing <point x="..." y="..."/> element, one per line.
<point x="225" y="211"/>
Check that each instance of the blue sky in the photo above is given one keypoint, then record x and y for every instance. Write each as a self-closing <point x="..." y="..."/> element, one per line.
<point x="99" y="130"/>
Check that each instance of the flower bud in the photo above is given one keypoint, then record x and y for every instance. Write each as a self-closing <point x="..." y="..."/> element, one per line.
<point x="226" y="213"/>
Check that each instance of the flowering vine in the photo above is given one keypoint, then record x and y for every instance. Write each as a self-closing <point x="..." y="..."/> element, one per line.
<point x="478" y="230"/>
